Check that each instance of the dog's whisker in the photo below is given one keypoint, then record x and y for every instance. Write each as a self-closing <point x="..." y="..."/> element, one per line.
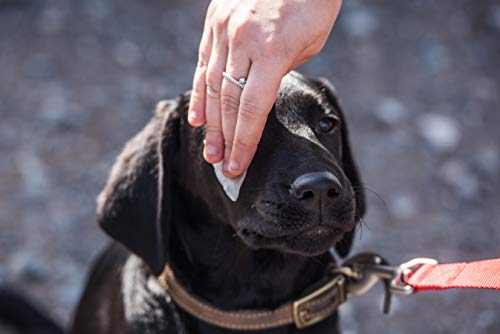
<point x="373" y="191"/>
<point x="363" y="223"/>
<point x="360" y="226"/>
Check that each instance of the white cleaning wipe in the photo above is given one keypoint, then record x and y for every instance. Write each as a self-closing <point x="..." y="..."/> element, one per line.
<point x="231" y="186"/>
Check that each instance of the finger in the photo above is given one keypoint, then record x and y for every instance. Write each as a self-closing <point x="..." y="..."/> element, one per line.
<point x="196" y="113"/>
<point x="256" y="102"/>
<point x="214" y="147"/>
<point x="238" y="66"/>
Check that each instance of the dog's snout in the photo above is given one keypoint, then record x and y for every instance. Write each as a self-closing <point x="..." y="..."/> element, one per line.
<point x="315" y="186"/>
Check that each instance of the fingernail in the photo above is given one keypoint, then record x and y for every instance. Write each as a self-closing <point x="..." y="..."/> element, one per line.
<point x="224" y="166"/>
<point x="192" y="116"/>
<point x="234" y="166"/>
<point x="211" y="149"/>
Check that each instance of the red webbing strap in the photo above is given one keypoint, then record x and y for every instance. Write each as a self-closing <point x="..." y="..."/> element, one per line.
<point x="478" y="275"/>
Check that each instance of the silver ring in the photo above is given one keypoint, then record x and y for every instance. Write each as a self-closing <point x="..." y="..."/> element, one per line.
<point x="241" y="82"/>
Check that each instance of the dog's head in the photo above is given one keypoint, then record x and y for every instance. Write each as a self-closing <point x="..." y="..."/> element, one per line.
<point x="302" y="193"/>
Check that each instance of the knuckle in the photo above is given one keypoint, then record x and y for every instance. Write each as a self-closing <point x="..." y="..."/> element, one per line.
<point x="213" y="129"/>
<point x="211" y="9"/>
<point x="248" y="110"/>
<point x="220" y="21"/>
<point x="228" y="143"/>
<point x="195" y="97"/>
<point x="230" y="104"/>
<point x="202" y="59"/>
<point x="213" y="89"/>
<point x="241" y="145"/>
<point x="238" y="41"/>
<point x="242" y="33"/>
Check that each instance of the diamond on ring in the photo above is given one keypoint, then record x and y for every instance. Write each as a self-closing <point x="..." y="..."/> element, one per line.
<point x="240" y="82"/>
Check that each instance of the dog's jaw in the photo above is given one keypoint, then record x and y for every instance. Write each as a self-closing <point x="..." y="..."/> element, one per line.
<point x="312" y="242"/>
<point x="267" y="226"/>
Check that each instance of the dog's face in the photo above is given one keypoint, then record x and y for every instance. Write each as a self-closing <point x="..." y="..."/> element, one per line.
<point x="301" y="194"/>
<point x="297" y="196"/>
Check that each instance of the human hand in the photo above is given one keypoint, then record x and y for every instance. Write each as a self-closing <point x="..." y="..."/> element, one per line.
<point x="260" y="40"/>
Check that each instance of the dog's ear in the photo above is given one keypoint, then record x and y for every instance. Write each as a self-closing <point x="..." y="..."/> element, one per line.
<point x="350" y="169"/>
<point x="135" y="206"/>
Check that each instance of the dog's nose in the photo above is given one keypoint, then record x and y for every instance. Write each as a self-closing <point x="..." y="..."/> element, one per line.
<point x="315" y="186"/>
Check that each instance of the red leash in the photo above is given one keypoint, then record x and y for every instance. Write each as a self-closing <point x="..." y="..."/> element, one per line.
<point x="472" y="275"/>
<point x="364" y="270"/>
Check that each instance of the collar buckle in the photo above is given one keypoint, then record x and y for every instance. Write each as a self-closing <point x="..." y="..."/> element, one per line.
<point x="319" y="304"/>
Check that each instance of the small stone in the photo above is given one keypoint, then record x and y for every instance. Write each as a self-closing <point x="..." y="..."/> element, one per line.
<point x="441" y="132"/>
<point x="39" y="66"/>
<point x="390" y="111"/>
<point x="127" y="53"/>
<point x="69" y="294"/>
<point x="451" y="297"/>
<point x="157" y="54"/>
<point x="360" y="23"/>
<point x="402" y="206"/>
<point x="98" y="10"/>
<point x="87" y="48"/>
<point x="54" y="106"/>
<point x="152" y="91"/>
<point x="455" y="174"/>
<point x="487" y="162"/>
<point x="435" y="56"/>
<point x="496" y="16"/>
<point x="51" y="21"/>
<point x="33" y="172"/>
<point x="486" y="319"/>
<point x="27" y="267"/>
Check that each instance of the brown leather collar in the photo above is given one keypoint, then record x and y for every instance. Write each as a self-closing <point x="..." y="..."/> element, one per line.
<point x="308" y="310"/>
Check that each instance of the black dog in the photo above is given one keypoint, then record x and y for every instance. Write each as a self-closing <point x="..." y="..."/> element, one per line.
<point x="301" y="196"/>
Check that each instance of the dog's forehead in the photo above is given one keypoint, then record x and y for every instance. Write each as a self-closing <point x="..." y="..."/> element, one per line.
<point x="297" y="97"/>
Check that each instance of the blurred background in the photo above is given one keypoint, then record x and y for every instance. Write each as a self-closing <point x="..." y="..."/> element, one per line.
<point x="419" y="81"/>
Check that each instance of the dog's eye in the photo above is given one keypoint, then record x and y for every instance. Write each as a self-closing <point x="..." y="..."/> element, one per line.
<point x="327" y="124"/>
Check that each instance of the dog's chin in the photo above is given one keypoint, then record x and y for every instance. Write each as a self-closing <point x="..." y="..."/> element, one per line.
<point x="310" y="242"/>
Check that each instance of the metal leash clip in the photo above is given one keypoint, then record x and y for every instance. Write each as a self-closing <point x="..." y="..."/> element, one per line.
<point x="398" y="282"/>
<point x="363" y="271"/>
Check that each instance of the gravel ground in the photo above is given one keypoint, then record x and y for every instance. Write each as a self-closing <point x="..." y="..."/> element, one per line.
<point x="419" y="81"/>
